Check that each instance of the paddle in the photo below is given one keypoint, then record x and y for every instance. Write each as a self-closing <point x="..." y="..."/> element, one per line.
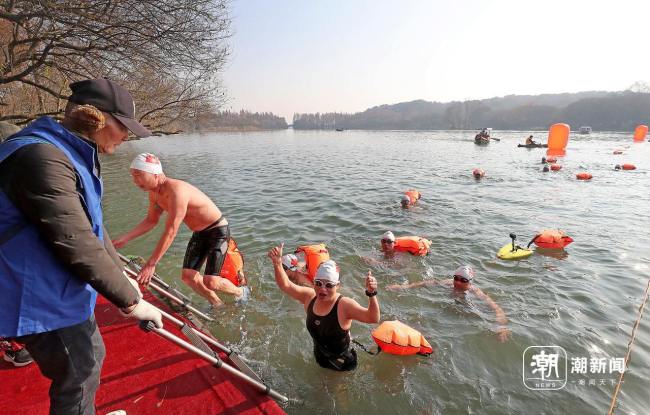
<point x="171" y="296"/>
<point x="216" y="362"/>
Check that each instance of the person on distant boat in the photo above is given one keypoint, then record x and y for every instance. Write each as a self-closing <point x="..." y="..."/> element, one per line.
<point x="483" y="135"/>
<point x="530" y="141"/>
<point x="462" y="283"/>
<point x="184" y="203"/>
<point x="329" y="314"/>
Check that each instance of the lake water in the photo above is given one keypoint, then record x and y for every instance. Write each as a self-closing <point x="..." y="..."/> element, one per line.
<point x="343" y="188"/>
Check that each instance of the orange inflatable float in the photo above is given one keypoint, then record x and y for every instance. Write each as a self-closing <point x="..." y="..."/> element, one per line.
<point x="551" y="239"/>
<point x="584" y="176"/>
<point x="640" y="132"/>
<point x="414" y="245"/>
<point x="558" y="138"/>
<point x="233" y="265"/>
<point x="628" y="166"/>
<point x="555" y="167"/>
<point x="478" y="173"/>
<point x="397" y="338"/>
<point x="413" y="195"/>
<point x="314" y="256"/>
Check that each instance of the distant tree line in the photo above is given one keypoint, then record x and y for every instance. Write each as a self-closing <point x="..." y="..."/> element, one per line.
<point x="242" y="120"/>
<point x="609" y="111"/>
<point x="168" y="53"/>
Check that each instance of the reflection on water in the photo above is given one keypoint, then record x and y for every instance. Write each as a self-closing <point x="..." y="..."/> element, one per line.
<point x="558" y="254"/>
<point x="343" y="189"/>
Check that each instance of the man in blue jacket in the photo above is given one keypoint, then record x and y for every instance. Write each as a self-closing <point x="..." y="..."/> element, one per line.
<point x="55" y="254"/>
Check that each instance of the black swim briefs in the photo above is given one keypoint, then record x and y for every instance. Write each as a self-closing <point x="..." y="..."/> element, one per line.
<point x="209" y="245"/>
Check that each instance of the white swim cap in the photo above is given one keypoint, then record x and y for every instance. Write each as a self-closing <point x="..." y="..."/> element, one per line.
<point x="328" y="271"/>
<point x="464" y="271"/>
<point x="405" y="199"/>
<point x="388" y="235"/>
<point x="290" y="261"/>
<point x="147" y="162"/>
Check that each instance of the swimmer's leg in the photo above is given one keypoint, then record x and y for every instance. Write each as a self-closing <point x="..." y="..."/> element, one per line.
<point x="194" y="280"/>
<point x="215" y="282"/>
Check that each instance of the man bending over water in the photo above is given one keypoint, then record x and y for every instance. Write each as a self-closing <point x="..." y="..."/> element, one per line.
<point x="183" y="203"/>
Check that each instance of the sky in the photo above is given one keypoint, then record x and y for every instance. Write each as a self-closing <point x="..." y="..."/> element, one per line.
<point x="296" y="56"/>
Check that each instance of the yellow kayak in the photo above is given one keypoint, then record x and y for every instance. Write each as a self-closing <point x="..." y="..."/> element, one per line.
<point x="519" y="253"/>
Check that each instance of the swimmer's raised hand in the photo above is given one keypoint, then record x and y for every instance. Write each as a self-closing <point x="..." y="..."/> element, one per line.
<point x="276" y="254"/>
<point x="371" y="283"/>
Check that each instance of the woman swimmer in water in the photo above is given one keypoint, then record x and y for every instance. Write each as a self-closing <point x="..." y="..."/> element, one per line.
<point x="462" y="281"/>
<point x="329" y="314"/>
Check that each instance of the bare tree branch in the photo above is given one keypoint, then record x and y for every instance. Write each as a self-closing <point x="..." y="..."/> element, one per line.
<point x="169" y="53"/>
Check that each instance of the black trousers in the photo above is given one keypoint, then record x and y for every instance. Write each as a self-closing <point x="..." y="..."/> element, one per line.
<point x="72" y="358"/>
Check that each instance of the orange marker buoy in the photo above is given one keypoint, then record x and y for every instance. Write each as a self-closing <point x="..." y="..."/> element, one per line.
<point x="558" y="138"/>
<point x="628" y="166"/>
<point x="618" y="151"/>
<point x="233" y="265"/>
<point x="414" y="245"/>
<point x="413" y="195"/>
<point x="551" y="239"/>
<point x="640" y="132"/>
<point x="584" y="176"/>
<point x="478" y="173"/>
<point x="397" y="338"/>
<point x="555" y="167"/>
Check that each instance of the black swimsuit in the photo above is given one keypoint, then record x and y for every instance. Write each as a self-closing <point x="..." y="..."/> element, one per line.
<point x="331" y="343"/>
<point x="209" y="244"/>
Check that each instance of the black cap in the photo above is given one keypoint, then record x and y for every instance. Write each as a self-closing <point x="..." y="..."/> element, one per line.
<point x="109" y="97"/>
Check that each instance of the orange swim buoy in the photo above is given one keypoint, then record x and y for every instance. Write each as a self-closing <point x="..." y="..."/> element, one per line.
<point x="618" y="151"/>
<point x="413" y="195"/>
<point x="478" y="173"/>
<point x="233" y="265"/>
<point x="584" y="176"/>
<point x="640" y="132"/>
<point x="628" y="166"/>
<point x="314" y="256"/>
<point x="555" y="167"/>
<point x="397" y="338"/>
<point x="552" y="239"/>
<point x="414" y="245"/>
<point x="558" y="138"/>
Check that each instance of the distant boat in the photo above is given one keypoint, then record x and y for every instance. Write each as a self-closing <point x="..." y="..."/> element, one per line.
<point x="339" y="129"/>
<point x="585" y="130"/>
<point x="481" y="140"/>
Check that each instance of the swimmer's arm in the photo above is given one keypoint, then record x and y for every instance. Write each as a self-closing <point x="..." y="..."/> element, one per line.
<point x="498" y="311"/>
<point x="295" y="291"/>
<point x="147" y="224"/>
<point x="412" y="285"/>
<point x="353" y="310"/>
<point x="175" y="217"/>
